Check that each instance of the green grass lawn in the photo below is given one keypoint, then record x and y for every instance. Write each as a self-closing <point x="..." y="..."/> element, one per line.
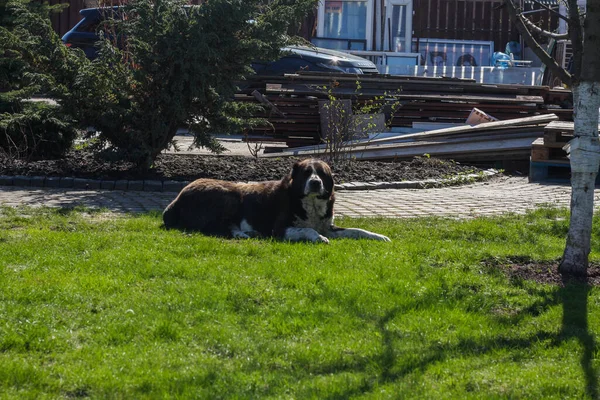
<point x="120" y="308"/>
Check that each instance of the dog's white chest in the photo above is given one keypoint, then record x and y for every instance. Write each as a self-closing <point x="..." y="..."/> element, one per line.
<point x="316" y="209"/>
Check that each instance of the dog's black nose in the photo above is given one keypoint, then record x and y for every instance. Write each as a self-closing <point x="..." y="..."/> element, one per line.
<point x="315" y="185"/>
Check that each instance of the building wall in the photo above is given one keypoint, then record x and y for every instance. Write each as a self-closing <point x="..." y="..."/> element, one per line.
<point x="472" y="20"/>
<point x="438" y="19"/>
<point x="461" y="20"/>
<point x="69" y="17"/>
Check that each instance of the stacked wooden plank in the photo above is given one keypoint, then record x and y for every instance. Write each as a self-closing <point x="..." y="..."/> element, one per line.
<point x="421" y="99"/>
<point x="508" y="140"/>
<point x="548" y="155"/>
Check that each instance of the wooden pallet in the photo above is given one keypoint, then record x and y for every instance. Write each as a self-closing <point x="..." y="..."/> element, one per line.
<point x="551" y="171"/>
<point x="543" y="151"/>
<point x="540" y="171"/>
<point x="549" y="159"/>
<point x="557" y="135"/>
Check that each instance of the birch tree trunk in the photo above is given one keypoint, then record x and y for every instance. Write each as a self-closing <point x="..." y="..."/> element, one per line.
<point x="585" y="147"/>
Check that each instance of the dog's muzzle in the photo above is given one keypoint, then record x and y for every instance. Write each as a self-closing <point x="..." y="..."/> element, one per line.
<point x="314" y="185"/>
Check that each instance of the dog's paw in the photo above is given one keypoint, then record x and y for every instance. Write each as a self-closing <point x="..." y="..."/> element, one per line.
<point x="304" y="235"/>
<point x="321" y="239"/>
<point x="382" y="238"/>
<point x="239" y="235"/>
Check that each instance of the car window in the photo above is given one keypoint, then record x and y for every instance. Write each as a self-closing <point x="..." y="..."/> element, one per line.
<point x="288" y="65"/>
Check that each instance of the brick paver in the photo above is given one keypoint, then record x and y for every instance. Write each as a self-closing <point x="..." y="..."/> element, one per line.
<point x="500" y="195"/>
<point x="487" y="198"/>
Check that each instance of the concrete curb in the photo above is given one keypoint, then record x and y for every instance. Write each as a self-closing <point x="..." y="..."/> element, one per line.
<point x="426" y="184"/>
<point x="176" y="186"/>
<point x="92" y="184"/>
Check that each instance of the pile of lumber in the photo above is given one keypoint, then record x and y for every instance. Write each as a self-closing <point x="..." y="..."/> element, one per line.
<point x="549" y="159"/>
<point x="291" y="101"/>
<point x="508" y="140"/>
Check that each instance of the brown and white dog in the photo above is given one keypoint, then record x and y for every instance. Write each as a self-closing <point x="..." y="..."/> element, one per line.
<point x="299" y="207"/>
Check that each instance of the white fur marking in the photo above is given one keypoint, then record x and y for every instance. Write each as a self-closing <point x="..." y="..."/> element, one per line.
<point x="244" y="231"/>
<point x="297" y="234"/>
<point x="245" y="226"/>
<point x="356" y="233"/>
<point x="317" y="178"/>
<point x="315" y="211"/>
<point x="238" y="234"/>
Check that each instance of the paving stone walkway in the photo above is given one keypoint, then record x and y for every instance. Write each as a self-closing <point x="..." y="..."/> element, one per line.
<point x="500" y="195"/>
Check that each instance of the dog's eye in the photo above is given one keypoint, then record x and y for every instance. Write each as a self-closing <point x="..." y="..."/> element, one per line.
<point x="308" y="172"/>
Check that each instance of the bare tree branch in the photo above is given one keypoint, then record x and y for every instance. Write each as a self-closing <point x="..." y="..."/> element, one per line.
<point x="576" y="35"/>
<point x="551" y="10"/>
<point x="591" y="56"/>
<point x="517" y="19"/>
<point x="542" y="32"/>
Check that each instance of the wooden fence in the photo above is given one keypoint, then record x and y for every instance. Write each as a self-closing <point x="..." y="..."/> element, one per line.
<point x="473" y="20"/>
<point x="69" y="17"/>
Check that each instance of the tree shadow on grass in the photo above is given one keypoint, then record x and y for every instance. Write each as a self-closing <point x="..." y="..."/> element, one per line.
<point x="572" y="294"/>
<point x="574" y="325"/>
<point x="574" y="297"/>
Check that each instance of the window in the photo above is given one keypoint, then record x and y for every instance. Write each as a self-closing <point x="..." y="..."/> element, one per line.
<point x="398" y="26"/>
<point x="290" y="65"/>
<point x="346" y="19"/>
<point x="459" y="53"/>
<point x="340" y="44"/>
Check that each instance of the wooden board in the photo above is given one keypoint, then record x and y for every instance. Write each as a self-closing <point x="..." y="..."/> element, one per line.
<point x="454" y="150"/>
<point x="566" y="127"/>
<point x="421" y="96"/>
<point x="560" y="126"/>
<point x="540" y="119"/>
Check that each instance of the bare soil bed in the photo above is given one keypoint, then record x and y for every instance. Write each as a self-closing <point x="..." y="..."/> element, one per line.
<point x="548" y="273"/>
<point x="186" y="167"/>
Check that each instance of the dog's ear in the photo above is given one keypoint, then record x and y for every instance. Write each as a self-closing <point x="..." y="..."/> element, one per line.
<point x="295" y="169"/>
<point x="289" y="178"/>
<point x="326" y="175"/>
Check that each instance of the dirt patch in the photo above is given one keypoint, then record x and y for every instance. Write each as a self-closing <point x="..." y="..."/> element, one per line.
<point x="187" y="167"/>
<point x="546" y="272"/>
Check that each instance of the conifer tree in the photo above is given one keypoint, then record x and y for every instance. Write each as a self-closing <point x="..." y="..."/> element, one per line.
<point x="177" y="66"/>
<point x="33" y="62"/>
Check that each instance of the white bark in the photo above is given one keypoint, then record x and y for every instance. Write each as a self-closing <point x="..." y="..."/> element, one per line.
<point x="585" y="150"/>
<point x="585" y="159"/>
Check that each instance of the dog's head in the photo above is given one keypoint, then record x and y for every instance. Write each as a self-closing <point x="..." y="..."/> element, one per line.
<point x="312" y="177"/>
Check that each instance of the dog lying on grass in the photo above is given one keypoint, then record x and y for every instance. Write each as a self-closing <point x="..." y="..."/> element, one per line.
<point x="299" y="207"/>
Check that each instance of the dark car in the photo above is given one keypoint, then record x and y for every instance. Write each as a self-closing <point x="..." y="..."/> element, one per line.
<point x="84" y="36"/>
<point x="315" y="59"/>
